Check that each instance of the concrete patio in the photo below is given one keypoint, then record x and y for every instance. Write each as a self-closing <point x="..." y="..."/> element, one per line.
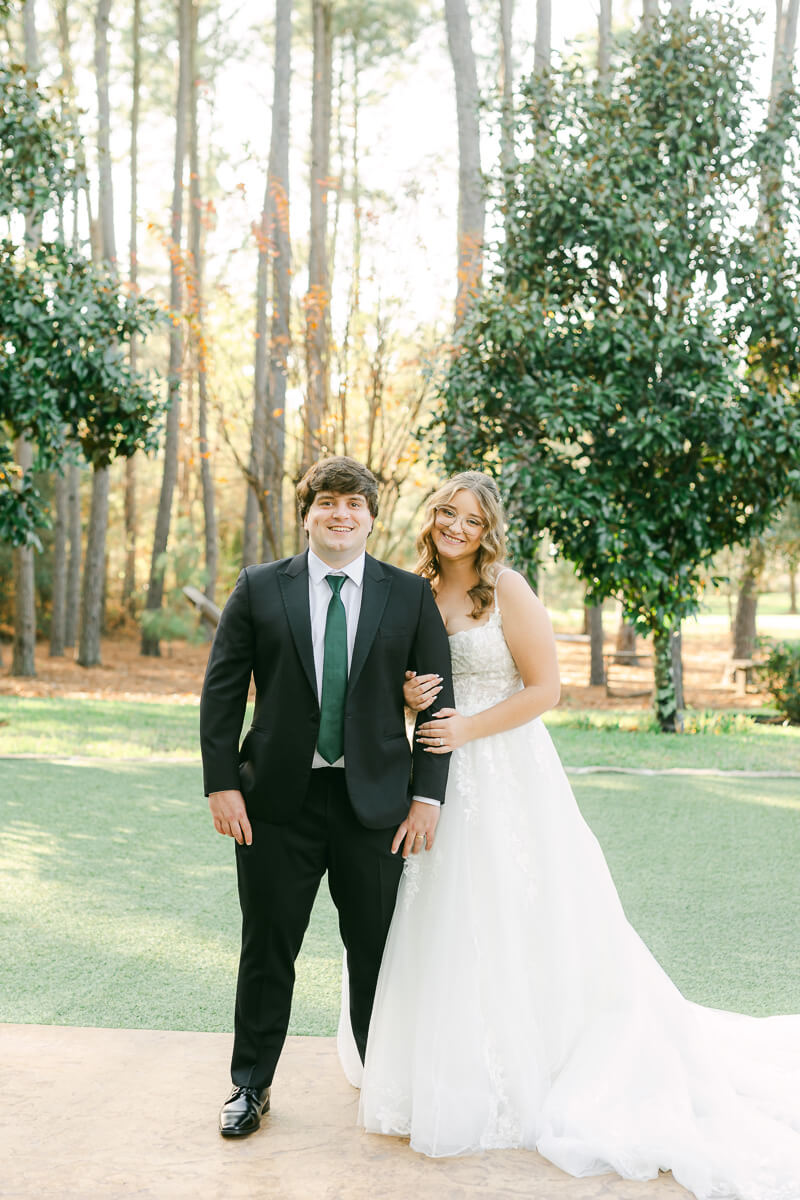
<point x="100" y="1113"/>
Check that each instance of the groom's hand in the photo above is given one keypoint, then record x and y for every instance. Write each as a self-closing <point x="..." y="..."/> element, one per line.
<point x="418" y="831"/>
<point x="230" y="816"/>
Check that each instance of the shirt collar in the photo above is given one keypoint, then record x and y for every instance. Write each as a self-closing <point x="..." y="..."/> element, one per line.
<point x="317" y="569"/>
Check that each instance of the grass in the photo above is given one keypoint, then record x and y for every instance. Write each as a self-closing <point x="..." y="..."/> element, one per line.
<point x="112" y="729"/>
<point x="725" y="741"/>
<point x="136" y="730"/>
<point x="118" y="904"/>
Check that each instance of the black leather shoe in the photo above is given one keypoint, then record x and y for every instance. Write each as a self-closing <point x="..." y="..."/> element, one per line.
<point x="242" y="1111"/>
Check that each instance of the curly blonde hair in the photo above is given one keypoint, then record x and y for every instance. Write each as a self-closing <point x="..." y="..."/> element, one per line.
<point x="492" y="549"/>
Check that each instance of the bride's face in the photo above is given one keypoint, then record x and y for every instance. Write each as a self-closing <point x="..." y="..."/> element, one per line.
<point x="458" y="527"/>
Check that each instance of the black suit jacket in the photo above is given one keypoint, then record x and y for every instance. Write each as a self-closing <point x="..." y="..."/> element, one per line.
<point x="265" y="630"/>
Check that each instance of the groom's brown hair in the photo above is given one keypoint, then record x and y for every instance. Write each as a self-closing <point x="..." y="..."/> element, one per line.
<point x="341" y="475"/>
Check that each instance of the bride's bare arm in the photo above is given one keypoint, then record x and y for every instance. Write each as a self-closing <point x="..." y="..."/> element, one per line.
<point x="529" y="637"/>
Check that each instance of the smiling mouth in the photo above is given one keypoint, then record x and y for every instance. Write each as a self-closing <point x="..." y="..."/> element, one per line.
<point x="454" y="541"/>
<point x="340" y="528"/>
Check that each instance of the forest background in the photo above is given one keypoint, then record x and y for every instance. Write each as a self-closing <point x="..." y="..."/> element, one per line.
<point x="306" y="197"/>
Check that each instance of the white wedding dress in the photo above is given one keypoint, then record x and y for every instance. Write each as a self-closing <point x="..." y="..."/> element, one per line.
<point x="516" y="1007"/>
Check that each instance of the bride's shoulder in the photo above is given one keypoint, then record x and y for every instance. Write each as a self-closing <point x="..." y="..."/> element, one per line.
<point x="515" y="596"/>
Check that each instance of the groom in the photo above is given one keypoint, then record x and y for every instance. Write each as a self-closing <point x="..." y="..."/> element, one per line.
<point x="323" y="779"/>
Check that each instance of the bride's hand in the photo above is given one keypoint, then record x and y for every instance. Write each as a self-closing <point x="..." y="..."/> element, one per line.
<point x="420" y="691"/>
<point x="447" y="731"/>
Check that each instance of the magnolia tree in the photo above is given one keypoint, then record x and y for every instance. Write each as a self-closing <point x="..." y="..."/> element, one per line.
<point x="630" y="372"/>
<point x="64" y="324"/>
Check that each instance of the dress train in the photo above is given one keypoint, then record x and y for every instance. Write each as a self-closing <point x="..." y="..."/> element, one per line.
<point x="517" y="1007"/>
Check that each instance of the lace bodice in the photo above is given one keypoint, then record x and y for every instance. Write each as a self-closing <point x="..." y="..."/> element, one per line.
<point x="484" y="671"/>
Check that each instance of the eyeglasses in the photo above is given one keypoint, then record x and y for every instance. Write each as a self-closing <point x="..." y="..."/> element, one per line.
<point x="447" y="516"/>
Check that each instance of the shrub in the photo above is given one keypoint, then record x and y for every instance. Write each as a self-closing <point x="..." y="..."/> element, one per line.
<point x="781" y="674"/>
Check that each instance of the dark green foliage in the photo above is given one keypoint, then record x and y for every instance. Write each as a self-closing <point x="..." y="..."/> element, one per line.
<point x="34" y="143"/>
<point x="64" y="375"/>
<point x="781" y="672"/>
<point x="630" y="370"/>
<point x="64" y="324"/>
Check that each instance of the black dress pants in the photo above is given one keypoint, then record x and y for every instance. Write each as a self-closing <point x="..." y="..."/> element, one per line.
<point x="278" y="876"/>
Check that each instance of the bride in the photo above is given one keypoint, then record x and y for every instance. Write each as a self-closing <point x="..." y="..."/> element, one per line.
<point x="516" y="1007"/>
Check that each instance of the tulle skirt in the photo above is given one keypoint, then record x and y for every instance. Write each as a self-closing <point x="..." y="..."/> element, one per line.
<point x="517" y="1007"/>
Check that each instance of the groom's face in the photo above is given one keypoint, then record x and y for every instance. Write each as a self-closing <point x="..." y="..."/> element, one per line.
<point x="338" y="526"/>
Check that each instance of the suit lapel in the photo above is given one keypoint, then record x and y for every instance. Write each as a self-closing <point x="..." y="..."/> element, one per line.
<point x="293" y="582"/>
<point x="377" y="585"/>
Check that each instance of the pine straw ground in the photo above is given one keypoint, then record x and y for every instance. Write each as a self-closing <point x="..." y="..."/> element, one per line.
<point x="178" y="674"/>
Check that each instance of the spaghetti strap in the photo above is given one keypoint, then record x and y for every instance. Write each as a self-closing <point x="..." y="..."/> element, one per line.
<point x="502" y="571"/>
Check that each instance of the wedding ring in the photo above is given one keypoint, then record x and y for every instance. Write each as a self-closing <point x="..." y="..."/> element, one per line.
<point x="419" y="837"/>
<point x="438" y="741"/>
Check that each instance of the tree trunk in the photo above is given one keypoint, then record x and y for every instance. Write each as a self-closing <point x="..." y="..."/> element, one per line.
<point x="250" y="528"/>
<point x="94" y="590"/>
<point x="786" y="13"/>
<point x="793" y="586"/>
<point x="258" y="431"/>
<point x="507" y="155"/>
<point x="471" y="198"/>
<point x="677" y="667"/>
<point x="23" y="662"/>
<point x="106" y="190"/>
<point x="59" y="611"/>
<point x="196" y="247"/>
<point x="94" y="571"/>
<point x="80" y="180"/>
<point x="666" y="701"/>
<point x="604" y="42"/>
<point x="24" y="657"/>
<point x="30" y="38"/>
<point x="649" y="13"/>
<point x="129" y="579"/>
<point x="354" y="296"/>
<point x="543" y="44"/>
<point x="74" y="564"/>
<point x="744" y="625"/>
<point x="268" y="439"/>
<point x="155" y="593"/>
<point x="597" y="670"/>
<point x="317" y="300"/>
<point x="626" y="642"/>
<point x="280" y="339"/>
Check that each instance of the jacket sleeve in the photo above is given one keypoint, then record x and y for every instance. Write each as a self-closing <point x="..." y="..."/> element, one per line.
<point x="224" y="697"/>
<point x="431" y="654"/>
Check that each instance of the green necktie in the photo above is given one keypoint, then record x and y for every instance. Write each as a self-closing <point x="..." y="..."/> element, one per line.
<point x="334" y="675"/>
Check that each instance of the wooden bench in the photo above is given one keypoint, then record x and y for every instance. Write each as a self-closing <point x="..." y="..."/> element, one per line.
<point x="632" y="659"/>
<point x="738" y="673"/>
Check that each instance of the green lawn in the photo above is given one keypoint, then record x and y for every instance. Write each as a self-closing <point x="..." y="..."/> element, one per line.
<point x="752" y="748"/>
<point x="118" y="905"/>
<point x="115" y="729"/>
<point x="105" y="729"/>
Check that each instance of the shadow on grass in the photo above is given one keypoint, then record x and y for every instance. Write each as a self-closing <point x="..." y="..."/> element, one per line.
<point x="119" y="903"/>
<point x="107" y="728"/>
<point x="120" y="906"/>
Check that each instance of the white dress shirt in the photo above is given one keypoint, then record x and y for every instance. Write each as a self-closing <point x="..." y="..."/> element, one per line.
<point x="319" y="597"/>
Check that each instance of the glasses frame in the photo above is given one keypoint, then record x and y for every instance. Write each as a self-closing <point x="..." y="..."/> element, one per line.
<point x="448" y="524"/>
